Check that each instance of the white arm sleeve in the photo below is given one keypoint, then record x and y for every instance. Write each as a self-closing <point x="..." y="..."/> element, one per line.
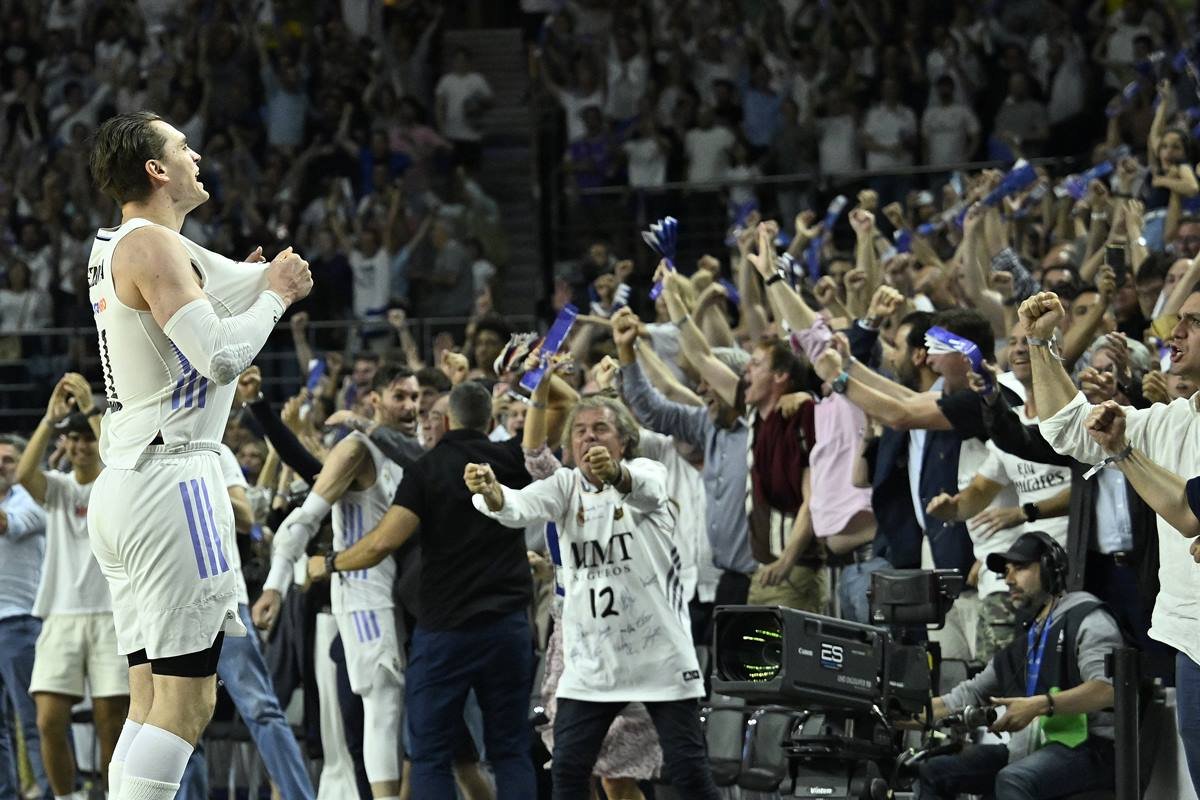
<point x="220" y="349"/>
<point x="291" y="539"/>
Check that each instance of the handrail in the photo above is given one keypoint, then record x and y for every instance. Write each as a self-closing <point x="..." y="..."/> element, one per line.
<point x="814" y="176"/>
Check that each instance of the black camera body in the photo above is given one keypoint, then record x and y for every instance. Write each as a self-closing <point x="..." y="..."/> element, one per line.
<point x="842" y="682"/>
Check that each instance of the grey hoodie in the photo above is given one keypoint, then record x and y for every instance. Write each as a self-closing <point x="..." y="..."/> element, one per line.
<point x="1098" y="634"/>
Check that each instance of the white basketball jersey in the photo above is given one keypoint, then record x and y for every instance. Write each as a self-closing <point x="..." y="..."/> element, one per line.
<point x="150" y="386"/>
<point x="353" y="518"/>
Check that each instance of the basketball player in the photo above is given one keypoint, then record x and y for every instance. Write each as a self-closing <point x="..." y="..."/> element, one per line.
<point x="176" y="324"/>
<point x="358" y="482"/>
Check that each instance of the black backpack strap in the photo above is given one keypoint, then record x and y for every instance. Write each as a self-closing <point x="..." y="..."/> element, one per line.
<point x="1070" y="657"/>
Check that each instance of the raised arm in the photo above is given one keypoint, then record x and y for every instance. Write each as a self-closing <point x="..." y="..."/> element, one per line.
<point x="686" y="423"/>
<point x="1041" y="315"/>
<point x="793" y="308"/>
<point x="518" y="508"/>
<point x="720" y="378"/>
<point x="29" y="468"/>
<point x="920" y="412"/>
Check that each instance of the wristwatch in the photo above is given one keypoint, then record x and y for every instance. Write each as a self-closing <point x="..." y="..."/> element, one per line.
<point x="330" y="557"/>
<point x="1032" y="512"/>
<point x="839" y="383"/>
<point x="776" y="278"/>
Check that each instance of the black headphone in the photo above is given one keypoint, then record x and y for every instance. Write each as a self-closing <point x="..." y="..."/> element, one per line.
<point x="1054" y="563"/>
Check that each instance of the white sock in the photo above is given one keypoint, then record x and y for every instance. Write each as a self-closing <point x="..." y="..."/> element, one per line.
<point x="156" y="756"/>
<point x="389" y="797"/>
<point x="134" y="788"/>
<point x="116" y="767"/>
<point x="78" y="794"/>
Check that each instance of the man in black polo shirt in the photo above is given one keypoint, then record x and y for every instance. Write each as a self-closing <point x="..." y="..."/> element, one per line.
<point x="472" y="629"/>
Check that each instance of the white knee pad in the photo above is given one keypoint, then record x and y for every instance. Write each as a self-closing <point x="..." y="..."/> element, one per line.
<point x="381" y="729"/>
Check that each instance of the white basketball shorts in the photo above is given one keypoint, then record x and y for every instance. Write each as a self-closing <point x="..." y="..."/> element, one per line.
<point x="372" y="647"/>
<point x="162" y="533"/>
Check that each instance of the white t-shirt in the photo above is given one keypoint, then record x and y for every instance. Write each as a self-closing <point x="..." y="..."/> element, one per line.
<point x="971" y="458"/>
<point x="231" y="473"/>
<point x="707" y="153"/>
<point x="890" y="127"/>
<point x="372" y="283"/>
<point x="647" y="162"/>
<point x="947" y="129"/>
<point x="573" y="106"/>
<point x="837" y="148"/>
<point x="455" y="90"/>
<point x="1033" y="483"/>
<point x="72" y="582"/>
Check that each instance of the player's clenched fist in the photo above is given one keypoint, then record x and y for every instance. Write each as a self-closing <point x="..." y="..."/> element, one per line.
<point x="1041" y="314"/>
<point x="288" y="276"/>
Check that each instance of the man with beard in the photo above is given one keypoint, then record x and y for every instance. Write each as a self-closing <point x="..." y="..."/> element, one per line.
<point x="1053" y="695"/>
<point x="724" y="438"/>
<point x="357" y="482"/>
<point x="936" y="434"/>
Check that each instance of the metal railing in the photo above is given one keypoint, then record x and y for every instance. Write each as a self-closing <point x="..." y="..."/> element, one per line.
<point x="31" y="362"/>
<point x="618" y="213"/>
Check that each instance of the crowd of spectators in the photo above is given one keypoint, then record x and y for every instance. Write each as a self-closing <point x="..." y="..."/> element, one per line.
<point x="804" y="384"/>
<point x="324" y="126"/>
<point x="719" y="92"/>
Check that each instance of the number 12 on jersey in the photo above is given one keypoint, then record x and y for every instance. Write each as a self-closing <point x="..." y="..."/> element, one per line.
<point x="603" y="608"/>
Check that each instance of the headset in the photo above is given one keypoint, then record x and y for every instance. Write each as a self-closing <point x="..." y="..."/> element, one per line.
<point x="1054" y="563"/>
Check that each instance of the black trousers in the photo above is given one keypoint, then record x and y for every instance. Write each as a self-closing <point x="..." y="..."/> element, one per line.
<point x="580" y="727"/>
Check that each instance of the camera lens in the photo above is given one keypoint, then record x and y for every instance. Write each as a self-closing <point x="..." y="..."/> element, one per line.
<point x="749" y="647"/>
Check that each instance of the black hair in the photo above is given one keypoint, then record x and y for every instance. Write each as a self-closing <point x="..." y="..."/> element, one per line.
<point x="434" y="378"/>
<point x="1154" y="267"/>
<point x="387" y="374"/>
<point x="921" y="322"/>
<point x="471" y="406"/>
<point x="970" y="324"/>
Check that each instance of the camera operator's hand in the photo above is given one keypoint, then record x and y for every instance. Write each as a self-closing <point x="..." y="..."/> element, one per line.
<point x="1018" y="712"/>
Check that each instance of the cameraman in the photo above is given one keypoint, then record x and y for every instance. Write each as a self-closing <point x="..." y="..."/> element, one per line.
<point x="1055" y="695"/>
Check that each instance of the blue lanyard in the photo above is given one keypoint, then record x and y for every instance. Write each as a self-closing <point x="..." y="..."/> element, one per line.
<point x="1034" y="657"/>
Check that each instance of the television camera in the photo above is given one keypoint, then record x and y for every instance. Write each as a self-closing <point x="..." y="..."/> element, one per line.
<point x="830" y="691"/>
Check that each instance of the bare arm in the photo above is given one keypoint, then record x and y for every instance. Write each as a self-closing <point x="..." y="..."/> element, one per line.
<point x="663" y="379"/>
<point x="29" y="468"/>
<point x="397" y="527"/>
<point x="152" y="270"/>
<point x="243" y="514"/>
<point x="921" y="411"/>
<point x="719" y="377"/>
<point x="978" y="495"/>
